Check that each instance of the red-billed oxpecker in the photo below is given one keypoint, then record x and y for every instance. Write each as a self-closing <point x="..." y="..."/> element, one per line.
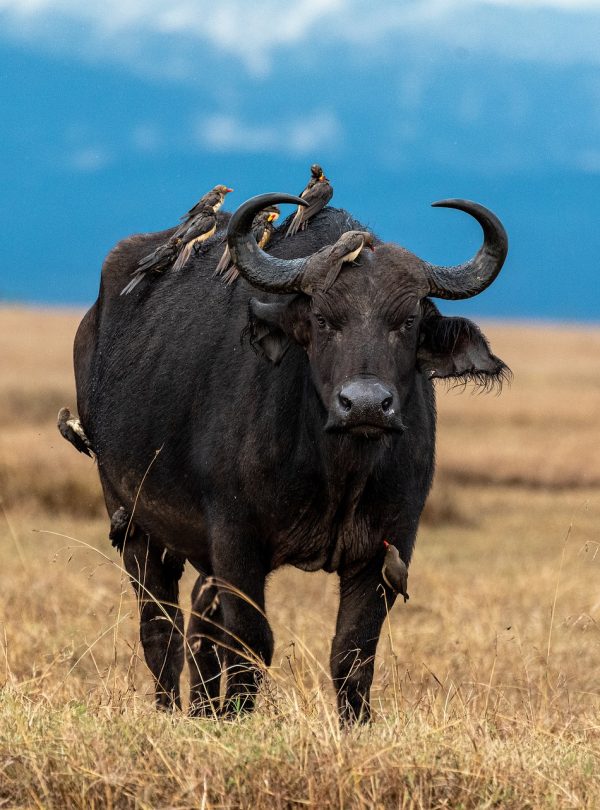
<point x="212" y="199"/>
<point x="201" y="228"/>
<point x="262" y="230"/>
<point x="198" y="225"/>
<point x="394" y="572"/>
<point x="317" y="194"/>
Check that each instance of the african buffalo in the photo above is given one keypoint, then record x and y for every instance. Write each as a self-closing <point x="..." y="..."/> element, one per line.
<point x="306" y="443"/>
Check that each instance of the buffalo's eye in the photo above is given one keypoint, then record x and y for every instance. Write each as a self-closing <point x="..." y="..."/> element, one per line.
<point x="408" y="322"/>
<point x="322" y="323"/>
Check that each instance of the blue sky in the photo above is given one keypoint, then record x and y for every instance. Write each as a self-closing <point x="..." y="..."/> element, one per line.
<point x="118" y="116"/>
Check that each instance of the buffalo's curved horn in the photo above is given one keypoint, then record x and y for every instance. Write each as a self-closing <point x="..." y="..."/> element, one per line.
<point x="257" y="267"/>
<point x="471" y="278"/>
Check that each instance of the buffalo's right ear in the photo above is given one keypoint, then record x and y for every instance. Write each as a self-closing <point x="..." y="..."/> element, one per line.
<point x="266" y="328"/>
<point x="455" y="348"/>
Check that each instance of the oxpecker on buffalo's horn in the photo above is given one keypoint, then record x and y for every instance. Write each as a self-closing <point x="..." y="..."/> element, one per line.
<point x="472" y="277"/>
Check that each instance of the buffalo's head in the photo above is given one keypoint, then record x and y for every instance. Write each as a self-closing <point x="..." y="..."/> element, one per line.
<point x="370" y="335"/>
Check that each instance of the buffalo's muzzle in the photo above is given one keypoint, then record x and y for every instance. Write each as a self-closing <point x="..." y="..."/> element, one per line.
<point x="364" y="406"/>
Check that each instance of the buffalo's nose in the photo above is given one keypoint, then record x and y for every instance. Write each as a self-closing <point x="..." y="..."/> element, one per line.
<point x="364" y="399"/>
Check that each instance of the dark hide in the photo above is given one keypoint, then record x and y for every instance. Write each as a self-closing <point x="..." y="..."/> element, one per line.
<point x="239" y="474"/>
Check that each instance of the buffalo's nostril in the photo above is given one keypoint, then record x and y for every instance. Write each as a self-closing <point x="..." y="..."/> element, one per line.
<point x="387" y="404"/>
<point x="345" y="402"/>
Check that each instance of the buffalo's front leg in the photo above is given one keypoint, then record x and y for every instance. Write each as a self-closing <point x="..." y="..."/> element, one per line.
<point x="241" y="571"/>
<point x="155" y="575"/>
<point x="205" y="651"/>
<point x="361" y="614"/>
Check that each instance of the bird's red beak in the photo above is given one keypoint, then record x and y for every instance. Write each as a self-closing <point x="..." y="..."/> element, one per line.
<point x="229" y="189"/>
<point x="386" y="544"/>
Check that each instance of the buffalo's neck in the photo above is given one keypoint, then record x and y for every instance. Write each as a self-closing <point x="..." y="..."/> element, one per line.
<point x="351" y="492"/>
<point x="333" y="472"/>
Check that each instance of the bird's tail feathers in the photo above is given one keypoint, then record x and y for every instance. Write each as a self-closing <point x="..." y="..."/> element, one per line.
<point x="231" y="275"/>
<point x="184" y="255"/>
<point x="331" y="277"/>
<point x="224" y="262"/>
<point x="295" y="223"/>
<point x="132" y="284"/>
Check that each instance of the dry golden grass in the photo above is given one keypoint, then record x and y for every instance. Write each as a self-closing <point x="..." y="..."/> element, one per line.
<point x="487" y="687"/>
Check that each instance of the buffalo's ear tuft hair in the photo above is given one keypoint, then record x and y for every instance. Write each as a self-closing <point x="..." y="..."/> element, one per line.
<point x="456" y="350"/>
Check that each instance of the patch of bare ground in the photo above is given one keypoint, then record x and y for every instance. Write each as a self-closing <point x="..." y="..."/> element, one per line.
<point x="487" y="687"/>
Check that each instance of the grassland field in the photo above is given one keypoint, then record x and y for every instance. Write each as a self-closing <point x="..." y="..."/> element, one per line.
<point x="487" y="684"/>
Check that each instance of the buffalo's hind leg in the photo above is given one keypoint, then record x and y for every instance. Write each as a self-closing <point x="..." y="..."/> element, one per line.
<point x="204" y="649"/>
<point x="361" y="614"/>
<point x="155" y="573"/>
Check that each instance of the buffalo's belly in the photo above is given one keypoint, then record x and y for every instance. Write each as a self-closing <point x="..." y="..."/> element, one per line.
<point x="162" y="508"/>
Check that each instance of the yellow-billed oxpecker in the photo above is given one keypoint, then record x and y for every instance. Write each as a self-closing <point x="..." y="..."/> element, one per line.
<point x="196" y="226"/>
<point x="346" y="249"/>
<point x="262" y="230"/>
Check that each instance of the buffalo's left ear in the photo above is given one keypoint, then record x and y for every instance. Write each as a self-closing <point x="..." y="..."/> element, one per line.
<point x="265" y="322"/>
<point x="457" y="348"/>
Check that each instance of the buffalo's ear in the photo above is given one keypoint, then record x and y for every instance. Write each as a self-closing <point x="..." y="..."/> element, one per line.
<point x="455" y="348"/>
<point x="265" y="329"/>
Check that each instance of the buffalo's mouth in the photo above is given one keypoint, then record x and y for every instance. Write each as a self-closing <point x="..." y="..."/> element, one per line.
<point x="363" y="430"/>
<point x="366" y="431"/>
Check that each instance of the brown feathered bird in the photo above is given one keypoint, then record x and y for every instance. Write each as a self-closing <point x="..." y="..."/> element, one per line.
<point x="70" y="428"/>
<point x="323" y="267"/>
<point x="394" y="571"/>
<point x="197" y="225"/>
<point x="346" y="249"/>
<point x="212" y="199"/>
<point x="317" y="194"/>
<point x="200" y="228"/>
<point x="262" y="230"/>
<point x="119" y="524"/>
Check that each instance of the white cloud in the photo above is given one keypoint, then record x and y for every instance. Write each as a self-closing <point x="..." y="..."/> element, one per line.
<point x="589" y="161"/>
<point x="90" y="159"/>
<point x="298" y="136"/>
<point x="151" y="34"/>
<point x="146" y="138"/>
<point x="248" y="31"/>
